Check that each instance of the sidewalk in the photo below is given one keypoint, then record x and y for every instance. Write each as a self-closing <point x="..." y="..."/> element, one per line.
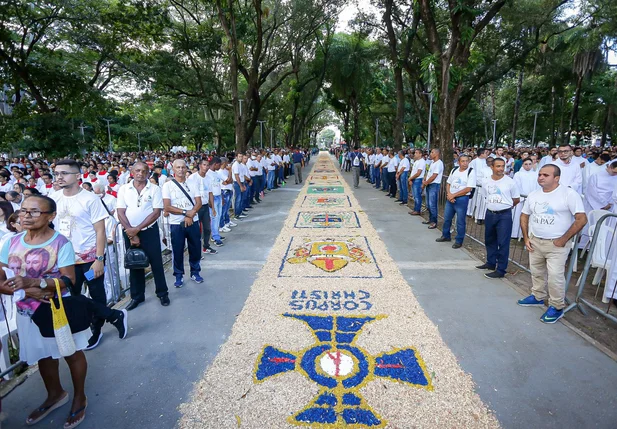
<point x="532" y="375"/>
<point x="139" y="382"/>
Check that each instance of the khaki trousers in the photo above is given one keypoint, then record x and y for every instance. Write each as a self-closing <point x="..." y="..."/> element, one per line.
<point x="548" y="265"/>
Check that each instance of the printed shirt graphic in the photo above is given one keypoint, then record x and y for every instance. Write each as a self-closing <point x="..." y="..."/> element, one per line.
<point x="460" y="180"/>
<point x="37" y="261"/>
<point x="500" y="193"/>
<point x="552" y="213"/>
<point x="75" y="220"/>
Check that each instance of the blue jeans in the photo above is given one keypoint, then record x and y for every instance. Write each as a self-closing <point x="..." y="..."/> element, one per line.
<point x="371" y="175"/>
<point x="402" y="186"/>
<point x="226" y="205"/>
<point x="416" y="188"/>
<point x="432" y="194"/>
<point x="270" y="179"/>
<point x="237" y="199"/>
<point x="497" y="232"/>
<point x="190" y="234"/>
<point x="215" y="221"/>
<point x="377" y="177"/>
<point x="257" y="187"/>
<point x="245" y="195"/>
<point x="460" y="208"/>
<point x="386" y="185"/>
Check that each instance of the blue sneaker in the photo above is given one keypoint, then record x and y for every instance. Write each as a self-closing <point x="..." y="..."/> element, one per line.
<point x="552" y="315"/>
<point x="178" y="283"/>
<point x="530" y="301"/>
<point x="197" y="278"/>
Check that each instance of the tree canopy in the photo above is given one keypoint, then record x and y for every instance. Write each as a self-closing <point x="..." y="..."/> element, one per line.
<point x="225" y="74"/>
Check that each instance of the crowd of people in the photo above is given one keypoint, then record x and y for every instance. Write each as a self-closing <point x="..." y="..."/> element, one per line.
<point x="543" y="196"/>
<point x="59" y="231"/>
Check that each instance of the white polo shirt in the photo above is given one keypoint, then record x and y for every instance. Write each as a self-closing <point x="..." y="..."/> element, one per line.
<point x="172" y="192"/>
<point x="139" y="206"/>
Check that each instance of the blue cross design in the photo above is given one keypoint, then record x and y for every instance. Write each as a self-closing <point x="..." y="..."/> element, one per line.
<point x="340" y="368"/>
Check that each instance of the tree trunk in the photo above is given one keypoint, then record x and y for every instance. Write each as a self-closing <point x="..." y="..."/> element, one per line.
<point x="356" y="120"/>
<point x="517" y="106"/>
<point x="398" y="77"/>
<point x="575" y="103"/>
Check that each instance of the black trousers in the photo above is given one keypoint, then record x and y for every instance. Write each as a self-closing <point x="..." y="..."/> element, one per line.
<point x="392" y="182"/>
<point x="150" y="243"/>
<point x="206" y="230"/>
<point x="100" y="311"/>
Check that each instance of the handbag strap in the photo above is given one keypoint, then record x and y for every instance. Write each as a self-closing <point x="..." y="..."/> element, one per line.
<point x="183" y="191"/>
<point x="59" y="293"/>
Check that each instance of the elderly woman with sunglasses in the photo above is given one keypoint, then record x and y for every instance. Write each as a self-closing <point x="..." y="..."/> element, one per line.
<point x="37" y="257"/>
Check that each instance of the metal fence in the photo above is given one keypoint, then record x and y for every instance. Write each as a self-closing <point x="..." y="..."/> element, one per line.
<point x="116" y="279"/>
<point x="601" y="257"/>
<point x="475" y="230"/>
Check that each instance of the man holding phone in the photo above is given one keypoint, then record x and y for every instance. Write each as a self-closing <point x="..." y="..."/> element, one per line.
<point x="182" y="201"/>
<point x="81" y="219"/>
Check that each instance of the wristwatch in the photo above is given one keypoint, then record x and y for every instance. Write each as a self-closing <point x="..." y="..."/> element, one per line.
<point x="184" y="212"/>
<point x="43" y="284"/>
<point x="100" y="258"/>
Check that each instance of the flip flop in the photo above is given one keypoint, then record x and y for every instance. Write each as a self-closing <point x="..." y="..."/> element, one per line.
<point x="75" y="414"/>
<point x="48" y="409"/>
<point x="432" y="226"/>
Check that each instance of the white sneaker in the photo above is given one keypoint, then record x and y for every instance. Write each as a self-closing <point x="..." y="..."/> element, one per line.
<point x="224" y="229"/>
<point x="231" y="225"/>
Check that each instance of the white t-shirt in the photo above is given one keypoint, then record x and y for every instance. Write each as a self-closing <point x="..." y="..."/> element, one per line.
<point x="377" y="159"/>
<point x="404" y="164"/>
<point x="236" y="168"/>
<point x="271" y="160"/>
<point x="75" y="220"/>
<point x="460" y="180"/>
<point x="500" y="193"/>
<point x="201" y="183"/>
<point x="139" y="206"/>
<point x="571" y="174"/>
<point x="552" y="213"/>
<point x="392" y="164"/>
<point x="172" y="192"/>
<point x="213" y="181"/>
<point x="420" y="164"/>
<point x="252" y="163"/>
<point x="436" y="167"/>
<point x="224" y="175"/>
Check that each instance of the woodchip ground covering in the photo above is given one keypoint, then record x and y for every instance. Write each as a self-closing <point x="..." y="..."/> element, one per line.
<point x="331" y="336"/>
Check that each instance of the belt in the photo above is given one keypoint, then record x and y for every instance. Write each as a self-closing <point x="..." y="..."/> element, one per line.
<point x="499" y="211"/>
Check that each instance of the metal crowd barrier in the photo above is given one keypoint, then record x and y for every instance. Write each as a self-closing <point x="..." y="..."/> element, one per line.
<point x="120" y="275"/>
<point x="579" y="301"/>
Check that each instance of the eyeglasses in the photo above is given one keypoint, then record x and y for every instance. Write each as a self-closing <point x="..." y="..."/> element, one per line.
<point x="65" y="173"/>
<point x="564" y="151"/>
<point x="32" y="213"/>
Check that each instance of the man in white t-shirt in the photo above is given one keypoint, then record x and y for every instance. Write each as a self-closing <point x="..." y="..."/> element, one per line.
<point x="416" y="177"/>
<point x="402" y="173"/>
<point x="224" y="174"/>
<point x="213" y="181"/>
<point x="432" y="183"/>
<point x="182" y="201"/>
<point x="571" y="172"/>
<point x="551" y="217"/>
<point x="384" y="170"/>
<point x="458" y="189"/>
<point x="501" y="195"/>
<point x="548" y="159"/>
<point x="376" y="170"/>
<point x="81" y="218"/>
<point x="198" y="180"/>
<point x="237" y="173"/>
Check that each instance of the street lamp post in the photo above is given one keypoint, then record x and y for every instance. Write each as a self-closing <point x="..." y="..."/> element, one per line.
<point x="261" y="133"/>
<point x="535" y="121"/>
<point x="139" y="141"/>
<point x="109" y="134"/>
<point x="271" y="136"/>
<point x="82" y="127"/>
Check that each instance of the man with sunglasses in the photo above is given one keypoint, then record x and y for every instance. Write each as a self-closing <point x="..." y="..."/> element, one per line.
<point x="81" y="218"/>
<point x="140" y="203"/>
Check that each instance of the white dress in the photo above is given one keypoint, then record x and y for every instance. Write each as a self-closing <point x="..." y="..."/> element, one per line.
<point x="527" y="182"/>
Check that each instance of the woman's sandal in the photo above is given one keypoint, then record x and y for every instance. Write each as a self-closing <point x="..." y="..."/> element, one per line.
<point x="76" y="423"/>
<point x="47" y="410"/>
